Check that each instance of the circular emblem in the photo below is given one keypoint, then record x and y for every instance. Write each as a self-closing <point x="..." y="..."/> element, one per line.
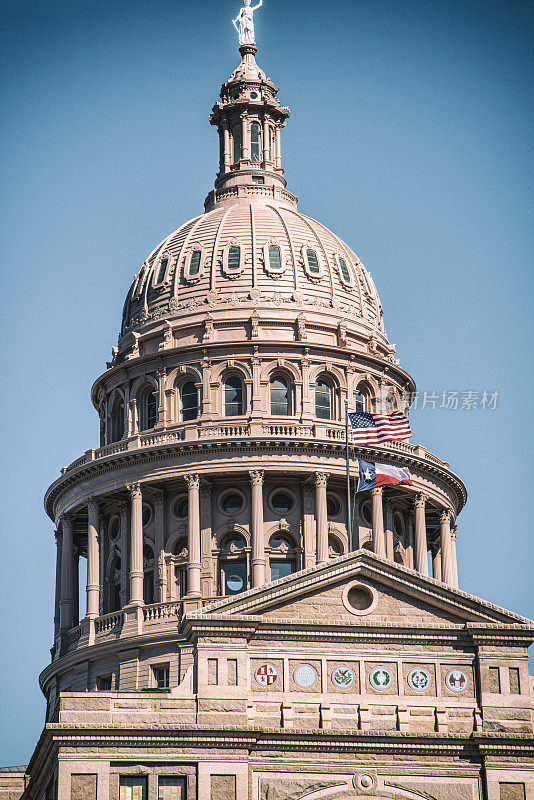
<point x="456" y="680"/>
<point x="266" y="675"/>
<point x="343" y="677"/>
<point x="305" y="675"/>
<point x="419" y="679"/>
<point x="381" y="678"/>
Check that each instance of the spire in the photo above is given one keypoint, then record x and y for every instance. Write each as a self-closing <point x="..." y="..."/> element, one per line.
<point x="249" y="120"/>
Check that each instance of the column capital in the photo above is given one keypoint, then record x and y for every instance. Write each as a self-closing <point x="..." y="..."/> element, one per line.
<point x="159" y="497"/>
<point x="57" y="536"/>
<point x="205" y="487"/>
<point x="193" y="480"/>
<point x="256" y="477"/>
<point x="321" y="479"/>
<point x="388" y="505"/>
<point x="377" y="491"/>
<point x="445" y="516"/>
<point x="308" y="489"/>
<point x="66" y="521"/>
<point x="420" y="500"/>
<point x="93" y="504"/>
<point x="134" y="490"/>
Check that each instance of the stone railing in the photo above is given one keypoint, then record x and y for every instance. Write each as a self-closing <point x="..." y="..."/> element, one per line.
<point x="72" y="637"/>
<point x="160" y="612"/>
<point x="224" y="431"/>
<point x="109" y="622"/>
<point x="284" y="429"/>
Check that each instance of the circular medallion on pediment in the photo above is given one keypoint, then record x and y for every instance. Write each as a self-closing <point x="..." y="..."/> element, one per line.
<point x="419" y="679"/>
<point x="343" y="677"/>
<point x="381" y="679"/>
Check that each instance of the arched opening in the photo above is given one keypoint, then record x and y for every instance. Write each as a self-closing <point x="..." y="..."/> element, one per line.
<point x="280" y="396"/>
<point x="237" y="139"/>
<point x="282" y="556"/>
<point x="180" y="558"/>
<point x="233" y="396"/>
<point x="189" y="401"/>
<point x="323" y="399"/>
<point x="148" y="576"/>
<point x="114" y="585"/>
<point x="362" y="398"/>
<point x="117" y="420"/>
<point x="255" y="143"/>
<point x="148" y="408"/>
<point x="233" y="565"/>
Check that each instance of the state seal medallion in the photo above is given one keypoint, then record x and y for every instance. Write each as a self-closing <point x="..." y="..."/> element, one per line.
<point x="381" y="679"/>
<point x="305" y="676"/>
<point x="419" y="679"/>
<point x="342" y="677"/>
<point x="266" y="675"/>
<point x="456" y="680"/>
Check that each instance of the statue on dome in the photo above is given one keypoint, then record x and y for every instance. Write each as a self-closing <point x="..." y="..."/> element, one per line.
<point x="245" y="18"/>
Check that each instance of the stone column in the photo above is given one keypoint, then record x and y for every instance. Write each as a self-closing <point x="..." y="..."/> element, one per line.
<point x="446" y="548"/>
<point x="225" y="166"/>
<point x="160" y="536"/>
<point x="410" y="539"/>
<point x="258" y="544"/>
<point x="123" y="514"/>
<point x="66" y="603"/>
<point x="278" y="149"/>
<point x="136" y="544"/>
<point x="321" y="480"/>
<point x="390" y="548"/>
<point x="256" y="385"/>
<point x="421" y="558"/>
<point x="378" y="522"/>
<point x="454" y="559"/>
<point x="162" y="406"/>
<point x="436" y="561"/>
<point x="308" y="523"/>
<point x="193" y="536"/>
<point x="57" y="536"/>
<point x="93" y="559"/>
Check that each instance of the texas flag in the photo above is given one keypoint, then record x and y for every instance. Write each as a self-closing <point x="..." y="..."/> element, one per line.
<point x="371" y="475"/>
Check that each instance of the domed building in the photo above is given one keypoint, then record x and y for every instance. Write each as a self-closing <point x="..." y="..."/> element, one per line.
<point x="255" y="628"/>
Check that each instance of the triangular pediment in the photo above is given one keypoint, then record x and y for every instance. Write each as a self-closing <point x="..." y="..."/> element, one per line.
<point x="362" y="588"/>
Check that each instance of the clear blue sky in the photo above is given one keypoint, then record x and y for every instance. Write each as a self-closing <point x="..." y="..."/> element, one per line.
<point x="411" y="137"/>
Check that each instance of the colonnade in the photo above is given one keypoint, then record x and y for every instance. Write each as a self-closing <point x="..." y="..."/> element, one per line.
<point x="444" y="566"/>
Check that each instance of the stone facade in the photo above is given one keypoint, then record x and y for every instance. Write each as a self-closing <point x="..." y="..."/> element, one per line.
<point x="248" y="633"/>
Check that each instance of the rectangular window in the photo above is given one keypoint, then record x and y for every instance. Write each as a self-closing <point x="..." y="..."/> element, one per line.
<point x="234" y="257"/>
<point x="279" y="569"/>
<point x="172" y="788"/>
<point x="494" y="680"/>
<point x="194" y="264"/>
<point x="161" y="676"/>
<point x="515" y="687"/>
<point x="258" y="179"/>
<point x="237" y="136"/>
<point x="313" y="262"/>
<point x="275" y="258"/>
<point x="234" y="577"/>
<point x="162" y="270"/>
<point x="104" y="683"/>
<point x="255" y="143"/>
<point x="132" y="788"/>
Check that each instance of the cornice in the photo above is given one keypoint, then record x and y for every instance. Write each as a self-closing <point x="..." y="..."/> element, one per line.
<point x="197" y="449"/>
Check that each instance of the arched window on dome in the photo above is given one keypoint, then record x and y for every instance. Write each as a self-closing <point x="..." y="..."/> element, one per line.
<point x="362" y="398"/>
<point x="282" y="556"/>
<point x="255" y="143"/>
<point x="234" y="258"/>
<point x="233" y="565"/>
<point x="162" y="270"/>
<point x="117" y="420"/>
<point x="180" y="558"/>
<point x="148" y="408"/>
<point x="237" y="140"/>
<point x="323" y="399"/>
<point x="189" y="401"/>
<point x="280" y="396"/>
<point x="233" y="396"/>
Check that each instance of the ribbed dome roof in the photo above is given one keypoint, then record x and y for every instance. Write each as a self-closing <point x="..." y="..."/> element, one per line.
<point x="196" y="264"/>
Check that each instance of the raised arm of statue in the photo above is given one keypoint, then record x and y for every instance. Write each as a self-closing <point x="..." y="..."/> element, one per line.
<point x="245" y="18"/>
<point x="255" y="8"/>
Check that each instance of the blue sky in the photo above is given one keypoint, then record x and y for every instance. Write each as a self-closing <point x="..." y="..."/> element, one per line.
<point x="411" y="137"/>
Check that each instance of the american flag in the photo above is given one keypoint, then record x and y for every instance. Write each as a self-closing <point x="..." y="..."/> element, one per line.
<point x="377" y="428"/>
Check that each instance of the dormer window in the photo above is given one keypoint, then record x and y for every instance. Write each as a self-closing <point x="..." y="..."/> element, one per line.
<point x="255" y="143"/>
<point x="194" y="266"/>
<point x="234" y="257"/>
<point x="162" y="270"/>
<point x="275" y="259"/>
<point x="313" y="262"/>
<point x="343" y="270"/>
<point x="310" y="259"/>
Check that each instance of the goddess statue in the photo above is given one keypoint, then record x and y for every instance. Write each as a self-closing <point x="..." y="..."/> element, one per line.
<point x="245" y="18"/>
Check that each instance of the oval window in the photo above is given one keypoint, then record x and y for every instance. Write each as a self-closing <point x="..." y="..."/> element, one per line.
<point x="333" y="506"/>
<point x="232" y="503"/>
<point x="147" y="514"/>
<point x="181" y="507"/>
<point x="344" y="270"/>
<point x="282" y="502"/>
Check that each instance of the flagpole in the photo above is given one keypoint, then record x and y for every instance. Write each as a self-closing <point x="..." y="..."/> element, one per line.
<point x="349" y="511"/>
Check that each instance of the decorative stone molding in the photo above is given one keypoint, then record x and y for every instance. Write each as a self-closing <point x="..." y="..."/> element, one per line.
<point x="192" y="480"/>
